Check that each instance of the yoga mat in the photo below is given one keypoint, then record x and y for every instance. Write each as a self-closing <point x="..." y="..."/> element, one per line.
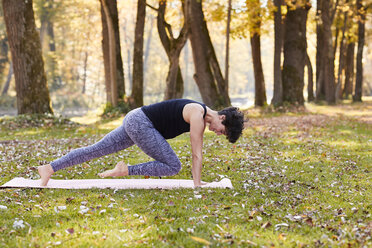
<point x="20" y="182"/>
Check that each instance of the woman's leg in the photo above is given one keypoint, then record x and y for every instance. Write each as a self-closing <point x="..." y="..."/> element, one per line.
<point x="114" y="141"/>
<point x="142" y="132"/>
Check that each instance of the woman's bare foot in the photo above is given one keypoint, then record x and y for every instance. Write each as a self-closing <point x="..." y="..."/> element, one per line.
<point x="120" y="170"/>
<point x="45" y="172"/>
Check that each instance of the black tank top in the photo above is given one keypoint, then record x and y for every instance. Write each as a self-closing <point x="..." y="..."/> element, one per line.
<point x="167" y="116"/>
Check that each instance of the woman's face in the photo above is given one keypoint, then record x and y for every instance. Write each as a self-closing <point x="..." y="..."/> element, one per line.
<point x="217" y="126"/>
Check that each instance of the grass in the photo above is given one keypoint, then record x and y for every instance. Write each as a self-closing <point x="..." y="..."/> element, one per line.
<point x="300" y="180"/>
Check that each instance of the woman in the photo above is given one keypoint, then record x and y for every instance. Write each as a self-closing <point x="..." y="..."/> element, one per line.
<point x="149" y="127"/>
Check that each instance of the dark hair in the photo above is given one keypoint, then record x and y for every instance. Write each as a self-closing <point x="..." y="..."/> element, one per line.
<point x="234" y="123"/>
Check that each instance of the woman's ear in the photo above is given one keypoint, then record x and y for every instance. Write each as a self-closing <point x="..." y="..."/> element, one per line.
<point x="222" y="117"/>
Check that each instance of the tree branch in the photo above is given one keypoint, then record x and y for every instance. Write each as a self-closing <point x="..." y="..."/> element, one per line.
<point x="334" y="11"/>
<point x="151" y="7"/>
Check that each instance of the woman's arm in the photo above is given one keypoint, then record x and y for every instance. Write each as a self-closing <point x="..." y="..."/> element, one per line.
<point x="197" y="127"/>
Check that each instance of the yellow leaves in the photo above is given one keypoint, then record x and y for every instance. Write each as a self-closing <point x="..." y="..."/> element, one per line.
<point x="226" y="207"/>
<point x="252" y="214"/>
<point x="164" y="219"/>
<point x="200" y="240"/>
<point x="282" y="236"/>
<point x="216" y="12"/>
<point x="86" y="166"/>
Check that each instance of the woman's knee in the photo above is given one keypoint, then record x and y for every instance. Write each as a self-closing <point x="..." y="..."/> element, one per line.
<point x="175" y="167"/>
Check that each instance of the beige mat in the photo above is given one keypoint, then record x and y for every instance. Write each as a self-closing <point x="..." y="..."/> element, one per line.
<point x="20" y="182"/>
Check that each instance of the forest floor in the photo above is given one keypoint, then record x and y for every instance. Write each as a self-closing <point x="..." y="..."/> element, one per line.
<point x="300" y="180"/>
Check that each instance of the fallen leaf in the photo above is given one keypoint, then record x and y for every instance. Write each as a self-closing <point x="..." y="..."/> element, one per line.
<point x="70" y="230"/>
<point x="266" y="225"/>
<point x="281" y="236"/>
<point x="200" y="240"/>
<point x="278" y="226"/>
<point x="228" y="236"/>
<point x="18" y="224"/>
<point x="309" y="221"/>
<point x="70" y="199"/>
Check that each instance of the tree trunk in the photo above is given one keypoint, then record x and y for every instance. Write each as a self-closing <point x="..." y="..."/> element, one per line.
<point x="129" y="62"/>
<point x="128" y="44"/>
<point x="52" y="63"/>
<point x="46" y="14"/>
<point x="106" y="55"/>
<point x="222" y="87"/>
<point x="357" y="97"/>
<point x="337" y="32"/>
<point x="310" y="80"/>
<point x="50" y="32"/>
<point x="8" y="78"/>
<point x="259" y="81"/>
<point x="278" y="33"/>
<point x="112" y="53"/>
<point x="136" y="99"/>
<point x="204" y="57"/>
<point x="24" y="41"/>
<point x="320" y="86"/>
<point x="255" y="30"/>
<point x="341" y="60"/>
<point x="173" y="47"/>
<point x="328" y="58"/>
<point x="186" y="62"/>
<point x="116" y="59"/>
<point x="42" y="32"/>
<point x="4" y="60"/>
<point x="148" y="45"/>
<point x="120" y="82"/>
<point x="227" y="46"/>
<point x="174" y="87"/>
<point x="349" y="70"/>
<point x="85" y="72"/>
<point x="294" y="54"/>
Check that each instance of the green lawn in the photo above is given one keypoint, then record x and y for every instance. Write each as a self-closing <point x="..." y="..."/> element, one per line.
<point x="300" y="180"/>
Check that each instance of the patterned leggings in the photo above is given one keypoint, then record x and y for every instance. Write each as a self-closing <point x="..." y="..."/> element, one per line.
<point x="136" y="129"/>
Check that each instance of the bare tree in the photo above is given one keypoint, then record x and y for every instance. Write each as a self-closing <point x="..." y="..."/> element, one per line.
<point x="31" y="85"/>
<point x="173" y="47"/>
<point x="310" y="80"/>
<point x="328" y="67"/>
<point x="319" y="79"/>
<point x="295" y="52"/>
<point x="120" y="82"/>
<point x="349" y="70"/>
<point x="357" y="97"/>
<point x="136" y="98"/>
<point x="255" y="33"/>
<point x="8" y="78"/>
<point x="227" y="47"/>
<point x="278" y="33"/>
<point x="341" y="59"/>
<point x="110" y="51"/>
<point x="207" y="75"/>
